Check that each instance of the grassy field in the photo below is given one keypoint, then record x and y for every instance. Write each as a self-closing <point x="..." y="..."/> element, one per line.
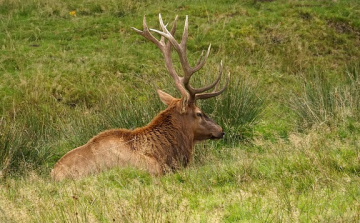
<point x="70" y="69"/>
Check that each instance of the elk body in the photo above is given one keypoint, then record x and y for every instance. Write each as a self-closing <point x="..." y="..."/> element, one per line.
<point x="166" y="143"/>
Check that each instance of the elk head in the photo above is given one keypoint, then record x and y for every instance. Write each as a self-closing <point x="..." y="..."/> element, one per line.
<point x="197" y="121"/>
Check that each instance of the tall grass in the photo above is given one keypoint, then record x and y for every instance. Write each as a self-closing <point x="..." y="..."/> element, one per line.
<point x="238" y="110"/>
<point x="324" y="101"/>
<point x="54" y="108"/>
<point x="33" y="139"/>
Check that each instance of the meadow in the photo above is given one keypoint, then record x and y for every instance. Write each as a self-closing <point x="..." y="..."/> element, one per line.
<point x="291" y="113"/>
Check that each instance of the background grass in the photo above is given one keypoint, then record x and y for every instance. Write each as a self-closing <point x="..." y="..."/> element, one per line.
<point x="291" y="112"/>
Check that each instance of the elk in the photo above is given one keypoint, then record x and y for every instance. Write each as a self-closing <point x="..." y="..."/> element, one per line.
<point x="166" y="143"/>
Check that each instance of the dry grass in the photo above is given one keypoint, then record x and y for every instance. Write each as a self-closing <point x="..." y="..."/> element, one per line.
<point x="308" y="178"/>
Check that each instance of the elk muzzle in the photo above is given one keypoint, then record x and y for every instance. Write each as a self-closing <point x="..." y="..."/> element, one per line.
<point x="208" y="129"/>
<point x="219" y="135"/>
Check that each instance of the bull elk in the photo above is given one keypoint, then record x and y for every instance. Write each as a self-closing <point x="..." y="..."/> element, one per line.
<point x="166" y="143"/>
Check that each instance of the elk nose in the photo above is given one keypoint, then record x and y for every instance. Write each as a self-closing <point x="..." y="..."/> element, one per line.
<point x="222" y="134"/>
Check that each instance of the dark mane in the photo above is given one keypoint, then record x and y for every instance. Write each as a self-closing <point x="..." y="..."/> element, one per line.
<point x="165" y="138"/>
<point x="161" y="119"/>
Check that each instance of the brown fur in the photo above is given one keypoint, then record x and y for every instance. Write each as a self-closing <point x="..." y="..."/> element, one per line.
<point x="164" y="145"/>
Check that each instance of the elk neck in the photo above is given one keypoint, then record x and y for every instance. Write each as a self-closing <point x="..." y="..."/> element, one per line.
<point x="169" y="137"/>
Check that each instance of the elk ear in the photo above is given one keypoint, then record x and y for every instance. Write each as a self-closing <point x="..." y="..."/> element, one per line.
<point x="165" y="97"/>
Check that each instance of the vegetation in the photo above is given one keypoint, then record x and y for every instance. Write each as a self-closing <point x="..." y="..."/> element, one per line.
<point x="70" y="69"/>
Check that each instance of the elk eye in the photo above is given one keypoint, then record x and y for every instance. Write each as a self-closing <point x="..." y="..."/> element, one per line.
<point x="199" y="114"/>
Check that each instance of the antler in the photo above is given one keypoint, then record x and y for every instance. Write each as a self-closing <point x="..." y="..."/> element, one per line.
<point x="182" y="83"/>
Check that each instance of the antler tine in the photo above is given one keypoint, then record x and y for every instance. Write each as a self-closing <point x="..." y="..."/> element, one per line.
<point x="214" y="93"/>
<point x="181" y="50"/>
<point x="185" y="33"/>
<point x="165" y="49"/>
<point x="215" y="83"/>
<point x="173" y="29"/>
<point x="168" y="35"/>
<point x="174" y="26"/>
<point x="146" y="33"/>
<point x="182" y="83"/>
<point x="188" y="71"/>
<point x="202" y="60"/>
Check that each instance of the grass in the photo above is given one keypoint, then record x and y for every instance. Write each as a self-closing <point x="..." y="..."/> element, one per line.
<point x="324" y="102"/>
<point x="291" y="112"/>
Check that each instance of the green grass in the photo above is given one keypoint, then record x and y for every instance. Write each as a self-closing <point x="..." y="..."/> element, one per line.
<point x="291" y="111"/>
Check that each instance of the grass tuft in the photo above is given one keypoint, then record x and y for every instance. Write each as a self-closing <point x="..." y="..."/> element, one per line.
<point x="326" y="102"/>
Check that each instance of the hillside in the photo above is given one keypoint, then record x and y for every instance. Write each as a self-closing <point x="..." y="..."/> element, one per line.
<point x="69" y="70"/>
